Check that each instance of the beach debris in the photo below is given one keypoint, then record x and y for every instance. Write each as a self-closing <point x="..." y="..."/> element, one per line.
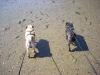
<point x="40" y="19"/>
<point x="21" y="21"/>
<point x="78" y="13"/>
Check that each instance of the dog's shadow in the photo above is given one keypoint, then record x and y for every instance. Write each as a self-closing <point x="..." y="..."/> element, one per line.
<point x="81" y="44"/>
<point x="43" y="48"/>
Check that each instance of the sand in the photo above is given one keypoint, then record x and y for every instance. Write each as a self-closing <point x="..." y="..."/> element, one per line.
<point x="49" y="18"/>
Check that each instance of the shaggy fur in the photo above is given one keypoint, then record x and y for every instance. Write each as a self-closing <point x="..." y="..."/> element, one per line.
<point x="30" y="39"/>
<point x="70" y="34"/>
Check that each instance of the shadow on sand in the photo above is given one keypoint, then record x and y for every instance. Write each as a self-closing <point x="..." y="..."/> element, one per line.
<point x="81" y="44"/>
<point x="43" y="48"/>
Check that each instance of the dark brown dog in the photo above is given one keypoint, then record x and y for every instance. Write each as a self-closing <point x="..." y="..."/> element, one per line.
<point x="70" y="34"/>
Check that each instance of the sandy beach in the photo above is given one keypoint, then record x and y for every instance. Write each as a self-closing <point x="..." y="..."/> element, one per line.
<point x="49" y="18"/>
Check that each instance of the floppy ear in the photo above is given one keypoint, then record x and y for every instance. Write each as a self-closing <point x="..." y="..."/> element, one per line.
<point x="26" y="27"/>
<point x="67" y="23"/>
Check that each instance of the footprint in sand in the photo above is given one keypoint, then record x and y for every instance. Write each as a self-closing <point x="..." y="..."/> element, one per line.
<point x="47" y="26"/>
<point x="6" y="28"/>
<point x="73" y="1"/>
<point x="86" y="18"/>
<point x="40" y="19"/>
<point x="78" y="13"/>
<point x="63" y="20"/>
<point x="53" y="1"/>
<point x="21" y="21"/>
<point x="24" y="20"/>
<point x="90" y="23"/>
<point x="31" y="12"/>
<point x="17" y="36"/>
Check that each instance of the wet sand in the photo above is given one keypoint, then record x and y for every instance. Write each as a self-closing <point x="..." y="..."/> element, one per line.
<point x="49" y="18"/>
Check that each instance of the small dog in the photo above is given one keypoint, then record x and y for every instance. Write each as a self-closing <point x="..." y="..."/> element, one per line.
<point x="70" y="34"/>
<point x="30" y="39"/>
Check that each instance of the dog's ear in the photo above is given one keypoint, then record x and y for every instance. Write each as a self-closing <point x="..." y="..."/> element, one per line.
<point x="67" y="23"/>
<point x="26" y="27"/>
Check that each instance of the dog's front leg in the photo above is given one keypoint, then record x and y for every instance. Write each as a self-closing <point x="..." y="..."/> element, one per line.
<point x="69" y="47"/>
<point x="28" y="55"/>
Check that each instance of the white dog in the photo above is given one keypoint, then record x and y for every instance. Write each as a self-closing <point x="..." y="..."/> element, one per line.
<point x="30" y="39"/>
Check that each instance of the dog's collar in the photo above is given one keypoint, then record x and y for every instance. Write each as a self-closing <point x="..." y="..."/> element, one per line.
<point x="31" y="34"/>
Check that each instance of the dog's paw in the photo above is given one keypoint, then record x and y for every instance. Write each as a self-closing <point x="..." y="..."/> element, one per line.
<point x="71" y="50"/>
<point x="36" y="50"/>
<point x="32" y="55"/>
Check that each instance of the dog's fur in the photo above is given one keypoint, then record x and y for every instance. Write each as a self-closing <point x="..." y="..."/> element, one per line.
<point x="30" y="39"/>
<point x="70" y="34"/>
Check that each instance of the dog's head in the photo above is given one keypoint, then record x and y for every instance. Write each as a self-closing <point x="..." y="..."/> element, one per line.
<point x="69" y="26"/>
<point x="29" y="28"/>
